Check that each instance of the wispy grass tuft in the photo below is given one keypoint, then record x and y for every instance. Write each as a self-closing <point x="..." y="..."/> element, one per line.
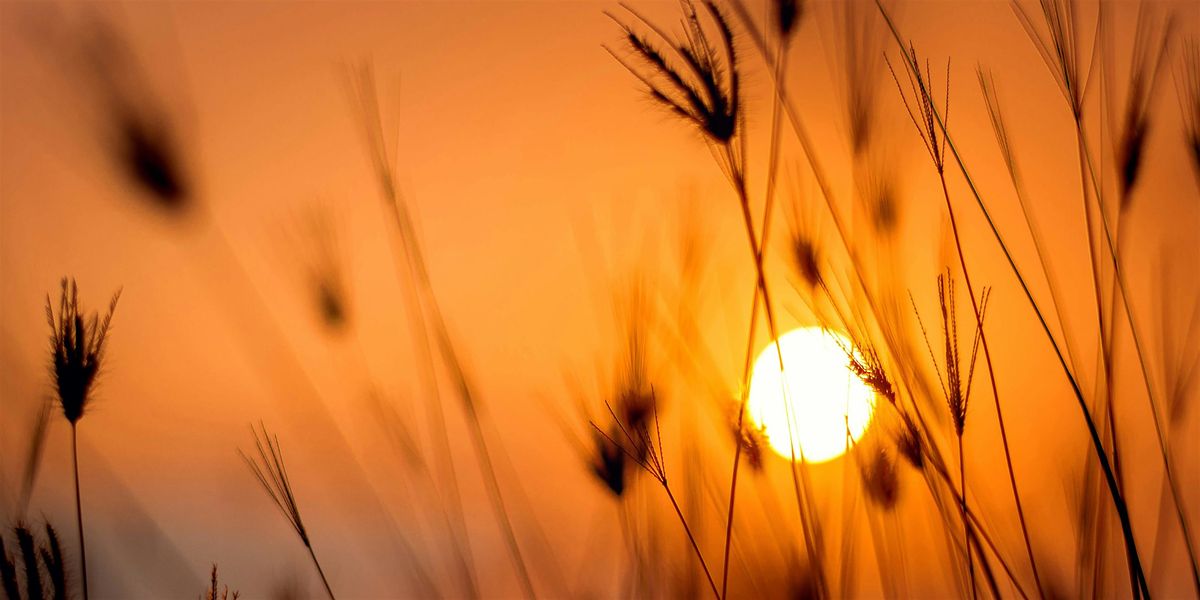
<point x="269" y="469"/>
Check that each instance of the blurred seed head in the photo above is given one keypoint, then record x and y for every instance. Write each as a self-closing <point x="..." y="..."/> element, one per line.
<point x="143" y="143"/>
<point x="609" y="463"/>
<point x="147" y="151"/>
<point x="1144" y="70"/>
<point x="860" y="39"/>
<point x="880" y="479"/>
<point x="77" y="343"/>
<point x="806" y="259"/>
<point x="635" y="402"/>
<point x="878" y="190"/>
<point x="788" y="14"/>
<point x="314" y="240"/>
<point x="1187" y="88"/>
<point x="752" y="438"/>
<point x="956" y="385"/>
<point x="802" y="583"/>
<point x="909" y="445"/>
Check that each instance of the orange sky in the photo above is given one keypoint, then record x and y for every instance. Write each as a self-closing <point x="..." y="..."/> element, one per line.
<point x="540" y="176"/>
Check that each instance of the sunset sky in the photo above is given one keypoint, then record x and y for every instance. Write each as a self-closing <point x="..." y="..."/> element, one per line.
<point x="542" y="180"/>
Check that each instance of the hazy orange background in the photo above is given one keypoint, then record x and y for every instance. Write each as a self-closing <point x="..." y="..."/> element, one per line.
<point x="540" y="176"/>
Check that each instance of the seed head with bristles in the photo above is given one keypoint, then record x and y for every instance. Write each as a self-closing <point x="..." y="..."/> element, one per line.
<point x="956" y="386"/>
<point x="216" y="593"/>
<point x="77" y="343"/>
<point x="920" y="108"/>
<point x="269" y="469"/>
<point x="866" y="365"/>
<point x="705" y="90"/>
<point x="1059" y="45"/>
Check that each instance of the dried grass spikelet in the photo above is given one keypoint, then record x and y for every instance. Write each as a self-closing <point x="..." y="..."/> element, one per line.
<point x="920" y="108"/>
<point x="865" y="364"/>
<point x="29" y="558"/>
<point x="270" y="470"/>
<point x="880" y="479"/>
<point x="1144" y="70"/>
<point x="8" y="572"/>
<point x="956" y="385"/>
<point x="1187" y="89"/>
<point x="77" y="342"/>
<point x="1058" y="42"/>
<point x="52" y="561"/>
<point x="751" y="437"/>
<point x="705" y="90"/>
<point x="215" y="592"/>
<point x="33" y="556"/>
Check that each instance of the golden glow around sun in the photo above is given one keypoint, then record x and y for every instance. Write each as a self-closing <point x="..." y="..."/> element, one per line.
<point x="827" y="397"/>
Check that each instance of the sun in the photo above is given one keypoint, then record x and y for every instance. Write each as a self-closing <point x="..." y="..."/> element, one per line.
<point x="827" y="397"/>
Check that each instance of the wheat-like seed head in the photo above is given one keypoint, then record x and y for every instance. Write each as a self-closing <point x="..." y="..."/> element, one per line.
<point x="705" y="90"/>
<point x="77" y="343"/>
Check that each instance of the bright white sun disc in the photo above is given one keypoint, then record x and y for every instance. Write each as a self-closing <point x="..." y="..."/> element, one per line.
<point x="826" y="398"/>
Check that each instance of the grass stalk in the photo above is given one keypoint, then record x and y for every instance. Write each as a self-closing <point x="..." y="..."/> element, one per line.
<point x="83" y="580"/>
<point x="962" y="484"/>
<point x="691" y="538"/>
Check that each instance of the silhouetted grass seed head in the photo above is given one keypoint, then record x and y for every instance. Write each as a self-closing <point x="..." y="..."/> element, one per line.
<point x="77" y="344"/>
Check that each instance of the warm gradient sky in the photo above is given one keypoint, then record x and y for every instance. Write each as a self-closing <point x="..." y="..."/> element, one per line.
<point x="540" y="176"/>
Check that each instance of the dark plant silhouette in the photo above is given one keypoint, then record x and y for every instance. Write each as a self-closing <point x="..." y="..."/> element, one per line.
<point x="218" y="593"/>
<point x="77" y="344"/>
<point x="38" y="563"/>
